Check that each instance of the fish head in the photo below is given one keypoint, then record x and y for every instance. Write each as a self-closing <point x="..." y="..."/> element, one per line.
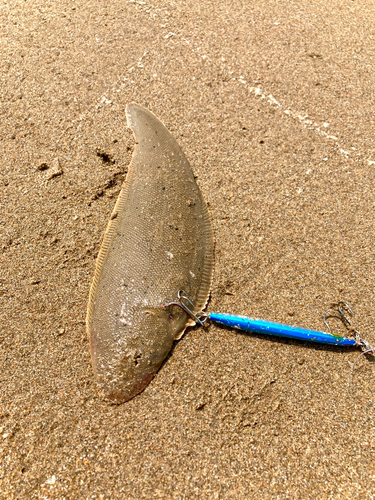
<point x="128" y="357"/>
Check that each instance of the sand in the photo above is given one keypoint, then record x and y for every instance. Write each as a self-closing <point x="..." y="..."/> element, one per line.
<point x="273" y="104"/>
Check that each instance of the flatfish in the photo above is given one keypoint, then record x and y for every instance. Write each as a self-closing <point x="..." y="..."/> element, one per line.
<point x="159" y="241"/>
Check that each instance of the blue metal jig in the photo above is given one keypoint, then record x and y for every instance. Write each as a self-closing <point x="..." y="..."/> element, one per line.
<point x="293" y="332"/>
<point x="277" y="329"/>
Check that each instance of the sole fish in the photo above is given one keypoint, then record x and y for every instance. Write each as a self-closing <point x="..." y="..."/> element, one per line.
<point x="159" y="240"/>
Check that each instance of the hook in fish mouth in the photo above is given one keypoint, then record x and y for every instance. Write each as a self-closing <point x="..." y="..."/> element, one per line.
<point x="186" y="304"/>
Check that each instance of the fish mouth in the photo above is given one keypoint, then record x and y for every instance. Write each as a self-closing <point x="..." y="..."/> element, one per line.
<point x="118" y="393"/>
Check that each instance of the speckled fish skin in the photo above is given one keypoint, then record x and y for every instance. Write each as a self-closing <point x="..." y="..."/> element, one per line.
<point x="159" y="241"/>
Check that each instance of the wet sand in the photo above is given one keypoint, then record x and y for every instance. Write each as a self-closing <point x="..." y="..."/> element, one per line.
<point x="273" y="105"/>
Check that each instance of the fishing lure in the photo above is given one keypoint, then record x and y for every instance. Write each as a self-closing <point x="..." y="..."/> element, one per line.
<point x="159" y="240"/>
<point x="256" y="325"/>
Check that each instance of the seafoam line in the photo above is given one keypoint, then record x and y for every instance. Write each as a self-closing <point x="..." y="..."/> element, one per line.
<point x="304" y="120"/>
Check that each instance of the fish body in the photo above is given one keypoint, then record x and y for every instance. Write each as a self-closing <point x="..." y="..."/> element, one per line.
<point x="159" y="241"/>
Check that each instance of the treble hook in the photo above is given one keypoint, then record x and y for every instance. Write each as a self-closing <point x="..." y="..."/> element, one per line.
<point x="363" y="344"/>
<point x="341" y="315"/>
<point x="186" y="304"/>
